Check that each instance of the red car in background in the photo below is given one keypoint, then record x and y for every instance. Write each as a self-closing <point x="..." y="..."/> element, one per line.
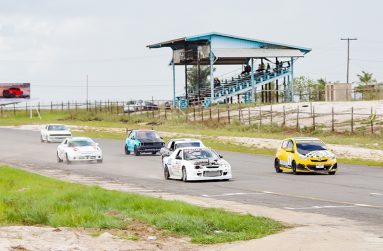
<point x="13" y="92"/>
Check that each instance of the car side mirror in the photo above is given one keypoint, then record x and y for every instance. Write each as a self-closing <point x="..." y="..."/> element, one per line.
<point x="289" y="150"/>
<point x="221" y="156"/>
<point x="161" y="138"/>
<point x="179" y="157"/>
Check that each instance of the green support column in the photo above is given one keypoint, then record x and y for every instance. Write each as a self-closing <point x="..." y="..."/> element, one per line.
<point x="252" y="81"/>
<point x="292" y="79"/>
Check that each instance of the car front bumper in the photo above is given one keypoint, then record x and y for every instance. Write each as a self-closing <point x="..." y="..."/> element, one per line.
<point x="207" y="174"/>
<point x="148" y="149"/>
<point x="317" y="168"/>
<point x="85" y="157"/>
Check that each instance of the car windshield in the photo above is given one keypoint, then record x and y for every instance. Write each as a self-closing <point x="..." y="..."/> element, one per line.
<point x="193" y="154"/>
<point x="151" y="135"/>
<point x="188" y="144"/>
<point x="304" y="147"/>
<point x="57" y="128"/>
<point x="84" y="142"/>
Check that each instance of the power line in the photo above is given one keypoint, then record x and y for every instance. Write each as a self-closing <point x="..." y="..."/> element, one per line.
<point x="348" y="54"/>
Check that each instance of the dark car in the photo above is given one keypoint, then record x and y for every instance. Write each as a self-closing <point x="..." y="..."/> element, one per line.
<point x="143" y="141"/>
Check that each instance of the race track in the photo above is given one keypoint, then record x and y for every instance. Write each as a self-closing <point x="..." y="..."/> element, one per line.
<point x="355" y="192"/>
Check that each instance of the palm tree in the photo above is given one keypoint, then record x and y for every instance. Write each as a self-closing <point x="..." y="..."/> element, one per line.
<point x="365" y="77"/>
<point x="193" y="78"/>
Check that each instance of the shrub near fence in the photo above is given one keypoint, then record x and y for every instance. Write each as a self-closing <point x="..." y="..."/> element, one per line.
<point x="293" y="116"/>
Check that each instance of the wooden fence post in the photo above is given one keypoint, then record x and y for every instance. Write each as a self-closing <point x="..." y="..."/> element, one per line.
<point x="218" y="112"/>
<point x="201" y="111"/>
<point x="260" y="115"/>
<point x="271" y="115"/>
<point x="332" y="119"/>
<point x="210" y="112"/>
<point x="14" y="109"/>
<point x="51" y="106"/>
<point x="62" y="106"/>
<point x="26" y="108"/>
<point x="39" y="107"/>
<point x="352" y="119"/>
<point x="248" y="111"/>
<point x="313" y="114"/>
<point x="193" y="112"/>
<point x="228" y="114"/>
<point x="68" y="106"/>
<point x="297" y="126"/>
<point x="372" y="121"/>
<point x="284" y="116"/>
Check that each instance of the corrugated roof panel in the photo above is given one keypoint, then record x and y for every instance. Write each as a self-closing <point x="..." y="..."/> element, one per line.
<point x="256" y="53"/>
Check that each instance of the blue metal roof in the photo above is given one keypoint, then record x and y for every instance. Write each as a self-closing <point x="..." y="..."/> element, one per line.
<point x="220" y="40"/>
<point x="242" y="42"/>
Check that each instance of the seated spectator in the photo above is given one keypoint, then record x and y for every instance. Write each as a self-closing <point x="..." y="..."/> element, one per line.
<point x="268" y="67"/>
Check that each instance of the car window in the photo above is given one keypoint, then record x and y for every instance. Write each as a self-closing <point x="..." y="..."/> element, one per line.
<point x="199" y="153"/>
<point x="290" y="144"/>
<point x="188" y="144"/>
<point x="56" y="128"/>
<point x="310" y="146"/>
<point x="65" y="142"/>
<point x="171" y="147"/>
<point x="84" y="142"/>
<point x="179" y="154"/>
<point x="284" y="144"/>
<point x="149" y="135"/>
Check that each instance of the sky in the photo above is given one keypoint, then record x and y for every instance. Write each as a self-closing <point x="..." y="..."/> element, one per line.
<point x="56" y="44"/>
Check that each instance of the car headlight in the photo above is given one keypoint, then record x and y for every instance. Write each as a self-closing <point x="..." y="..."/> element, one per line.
<point x="302" y="157"/>
<point x="333" y="157"/>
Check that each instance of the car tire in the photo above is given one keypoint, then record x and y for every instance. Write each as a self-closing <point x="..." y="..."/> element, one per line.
<point x="136" y="152"/>
<point x="331" y="173"/>
<point x="184" y="175"/>
<point x="294" y="168"/>
<point x="166" y="172"/>
<point x="127" y="152"/>
<point x="67" y="160"/>
<point x="154" y="153"/>
<point x="277" y="166"/>
<point x="58" y="158"/>
<point x="41" y="139"/>
<point x="100" y="160"/>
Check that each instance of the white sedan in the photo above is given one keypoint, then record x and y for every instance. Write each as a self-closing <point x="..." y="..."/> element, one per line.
<point x="54" y="133"/>
<point x="79" y="149"/>
<point x="196" y="163"/>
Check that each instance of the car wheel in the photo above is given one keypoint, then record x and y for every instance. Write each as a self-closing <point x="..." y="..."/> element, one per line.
<point x="154" y="153"/>
<point x="99" y="160"/>
<point x="166" y="172"/>
<point x="294" y="168"/>
<point x="277" y="166"/>
<point x="331" y="173"/>
<point x="127" y="152"/>
<point x="184" y="175"/>
<point x="136" y="152"/>
<point x="58" y="158"/>
<point x="41" y="138"/>
<point x="67" y="160"/>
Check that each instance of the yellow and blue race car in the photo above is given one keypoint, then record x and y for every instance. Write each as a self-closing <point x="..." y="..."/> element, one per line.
<point x="305" y="155"/>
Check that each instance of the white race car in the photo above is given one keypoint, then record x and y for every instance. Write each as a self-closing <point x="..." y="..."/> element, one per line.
<point x="196" y="163"/>
<point x="79" y="149"/>
<point x="54" y="133"/>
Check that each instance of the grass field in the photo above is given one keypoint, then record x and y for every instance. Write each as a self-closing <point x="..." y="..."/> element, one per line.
<point x="30" y="199"/>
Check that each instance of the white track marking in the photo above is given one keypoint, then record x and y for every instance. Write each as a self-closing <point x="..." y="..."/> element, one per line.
<point x="318" y="207"/>
<point x="376" y="194"/>
<point x="233" y="194"/>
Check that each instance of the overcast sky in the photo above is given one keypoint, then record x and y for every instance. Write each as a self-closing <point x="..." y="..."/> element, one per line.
<point x="54" y="44"/>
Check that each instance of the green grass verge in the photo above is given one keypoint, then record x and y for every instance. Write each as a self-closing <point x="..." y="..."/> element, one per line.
<point x="30" y="199"/>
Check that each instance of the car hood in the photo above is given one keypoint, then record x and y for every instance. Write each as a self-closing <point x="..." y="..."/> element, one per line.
<point x="204" y="162"/>
<point x="150" y="140"/>
<point x="320" y="154"/>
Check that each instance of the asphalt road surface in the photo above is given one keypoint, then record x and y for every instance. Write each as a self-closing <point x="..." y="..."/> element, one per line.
<point x="355" y="192"/>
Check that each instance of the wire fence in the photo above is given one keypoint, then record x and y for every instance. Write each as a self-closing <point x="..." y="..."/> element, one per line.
<point x="298" y="116"/>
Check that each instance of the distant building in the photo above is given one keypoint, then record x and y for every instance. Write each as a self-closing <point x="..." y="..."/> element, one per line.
<point x="338" y="92"/>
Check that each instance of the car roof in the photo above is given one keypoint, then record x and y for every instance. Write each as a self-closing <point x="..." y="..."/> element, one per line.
<point x="55" y="124"/>
<point x="79" y="138"/>
<point x="306" y="139"/>
<point x="195" y="147"/>
<point x="185" y="139"/>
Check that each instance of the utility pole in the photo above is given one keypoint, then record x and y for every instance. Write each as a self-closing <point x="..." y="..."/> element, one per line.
<point x="87" y="92"/>
<point x="348" y="54"/>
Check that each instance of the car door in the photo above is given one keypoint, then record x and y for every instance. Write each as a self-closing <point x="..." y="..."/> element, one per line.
<point x="131" y="139"/>
<point x="44" y="132"/>
<point x="289" y="154"/>
<point x="61" y="149"/>
<point x="281" y="155"/>
<point x="177" y="164"/>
